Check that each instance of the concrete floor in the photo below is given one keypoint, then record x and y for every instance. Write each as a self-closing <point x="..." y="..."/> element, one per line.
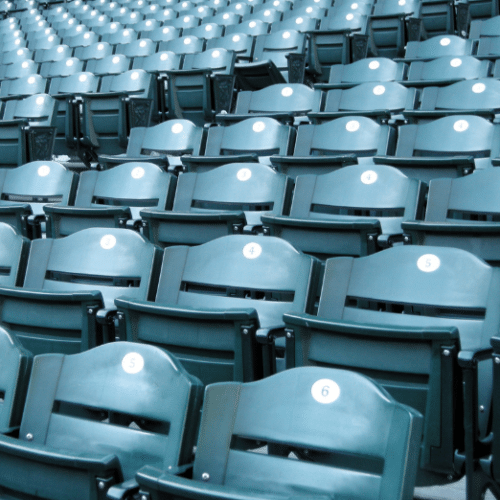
<point x="455" y="491"/>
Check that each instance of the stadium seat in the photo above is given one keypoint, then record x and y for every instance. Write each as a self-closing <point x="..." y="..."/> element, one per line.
<point x="14" y="252"/>
<point x="323" y="148"/>
<point x="219" y="306"/>
<point x="364" y="442"/>
<point x="93" y="419"/>
<point x="163" y="144"/>
<point x="447" y="147"/>
<point x="26" y="189"/>
<point x="356" y="210"/>
<point x="251" y="140"/>
<point x="402" y="316"/>
<point x="240" y="43"/>
<point x="226" y="200"/>
<point x="438" y="46"/>
<point x="66" y="301"/>
<point x="112" y="198"/>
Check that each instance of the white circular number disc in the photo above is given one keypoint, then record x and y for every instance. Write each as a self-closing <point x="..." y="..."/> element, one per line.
<point x="287" y="92"/>
<point x="258" y="126"/>
<point x="352" y="126"/>
<point x="456" y="62"/>
<point x="43" y="170"/>
<point x="428" y="263"/>
<point x="325" y="391"/>
<point x="252" y="250"/>
<point x="378" y="89"/>
<point x="369" y="177"/>
<point x="177" y="128"/>
<point x="244" y="174"/>
<point x="445" y="41"/>
<point x="108" y="242"/>
<point x="461" y="125"/>
<point x="477" y="88"/>
<point x="137" y="172"/>
<point x="132" y="363"/>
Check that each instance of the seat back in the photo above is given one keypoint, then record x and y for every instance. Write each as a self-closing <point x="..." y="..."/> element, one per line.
<point x="95" y="396"/>
<point x="14" y="250"/>
<point x="249" y="187"/>
<point x="23" y="87"/>
<point x="94" y="51"/>
<point x="38" y="183"/>
<point x="438" y="46"/>
<point x="276" y="46"/>
<point x="342" y="415"/>
<point x="37" y="110"/>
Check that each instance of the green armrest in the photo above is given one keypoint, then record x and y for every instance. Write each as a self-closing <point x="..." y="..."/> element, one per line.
<point x="365" y="329"/>
<point x="180" y="487"/>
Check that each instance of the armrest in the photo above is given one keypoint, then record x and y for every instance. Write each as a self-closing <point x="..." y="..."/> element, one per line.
<point x="123" y="490"/>
<point x="11" y="123"/>
<point x="26" y="293"/>
<point x="181" y="487"/>
<point x="267" y="335"/>
<point x="347" y="159"/>
<point x="46" y="455"/>
<point x="459" y="161"/>
<point x="418" y="333"/>
<point x="451" y="227"/>
<point x="358" y="224"/>
<point x="469" y="359"/>
<point x="194" y="217"/>
<point x="105" y="316"/>
<point x="7" y="207"/>
<point x="489" y="114"/>
<point x="133" y="224"/>
<point x="382" y="114"/>
<point x="88" y="211"/>
<point x="231" y="118"/>
<point x="186" y="312"/>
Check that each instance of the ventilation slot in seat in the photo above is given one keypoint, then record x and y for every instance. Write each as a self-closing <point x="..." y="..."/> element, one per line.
<point x="87" y="279"/>
<point x="416" y="309"/>
<point x="476" y="154"/>
<point x="21" y="198"/>
<point x="239" y="292"/>
<point x="357" y="211"/>
<point x="122" y="202"/>
<point x="223" y="205"/>
<point x="473" y="216"/>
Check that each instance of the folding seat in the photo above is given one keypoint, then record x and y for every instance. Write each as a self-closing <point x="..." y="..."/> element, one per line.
<point x="112" y="198"/>
<point x="438" y="46"/>
<point x="182" y="7"/>
<point x="447" y="147"/>
<point x="288" y="102"/>
<point x="104" y="417"/>
<point x="202" y="87"/>
<point x="73" y="30"/>
<point x="16" y="55"/>
<point x="251" y="140"/>
<point x="124" y="101"/>
<point x="217" y="4"/>
<point x="164" y="34"/>
<point x="89" y="15"/>
<point x="162" y="144"/>
<point x="93" y="52"/>
<point x="332" y="43"/>
<point x="109" y="65"/>
<point x="408" y="338"/>
<point x="27" y="130"/>
<point x="81" y="40"/>
<point x="18" y="69"/>
<point x="270" y="64"/>
<point x="126" y="35"/>
<point x="219" y="304"/>
<point x="365" y="70"/>
<point x="484" y="28"/>
<point x="202" y="11"/>
<point x="183" y="45"/>
<point x="255" y="27"/>
<point x="46" y="42"/>
<point x="445" y="70"/>
<point x="325" y="147"/>
<point x="184" y="21"/>
<point x="240" y="43"/>
<point x="32" y="36"/>
<point x="226" y="18"/>
<point x="26" y="189"/>
<point x="66" y="303"/>
<point x="119" y="13"/>
<point x="14" y="252"/>
<point x="97" y="23"/>
<point x="266" y="15"/>
<point x="206" y="31"/>
<point x="335" y="415"/>
<point x="389" y="28"/>
<point x="298" y="23"/>
<point x="382" y="101"/>
<point x="145" y="26"/>
<point x="489" y="48"/>
<point x="137" y="48"/>
<point x="226" y="200"/>
<point x="130" y="19"/>
<point x="15" y="44"/>
<point x="356" y="210"/>
<point x="107" y="29"/>
<point x="479" y="97"/>
<point x="62" y="68"/>
<point x="14" y="378"/>
<point x="166" y="16"/>
<point x="468" y="12"/>
<point x="23" y="87"/>
<point x="461" y="213"/>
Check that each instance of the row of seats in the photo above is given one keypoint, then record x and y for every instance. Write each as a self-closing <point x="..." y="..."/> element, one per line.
<point x="99" y="423"/>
